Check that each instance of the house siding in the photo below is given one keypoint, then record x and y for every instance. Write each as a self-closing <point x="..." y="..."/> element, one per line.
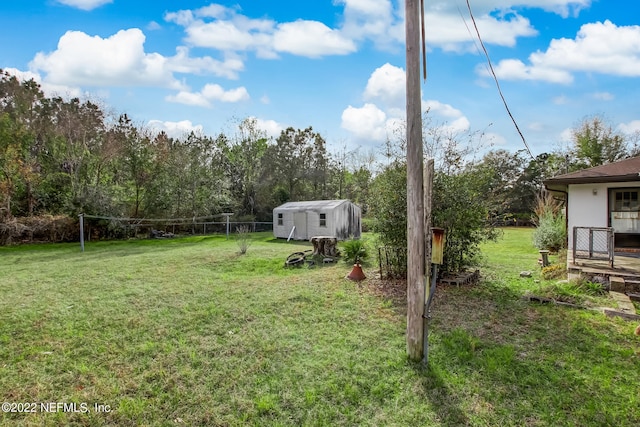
<point x="587" y="209"/>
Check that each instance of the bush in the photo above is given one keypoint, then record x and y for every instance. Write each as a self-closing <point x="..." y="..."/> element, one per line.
<point x="551" y="232"/>
<point x="354" y="250"/>
<point x="555" y="271"/>
<point x="45" y="228"/>
<point x="243" y="238"/>
<point x="458" y="207"/>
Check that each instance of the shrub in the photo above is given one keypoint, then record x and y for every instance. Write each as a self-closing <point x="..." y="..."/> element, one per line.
<point x="354" y="250"/>
<point x="243" y="238"/>
<point x="555" y="271"/>
<point x="458" y="207"/>
<point x="551" y="231"/>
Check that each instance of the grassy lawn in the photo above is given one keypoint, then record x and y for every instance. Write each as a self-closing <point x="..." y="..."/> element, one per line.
<point x="189" y="332"/>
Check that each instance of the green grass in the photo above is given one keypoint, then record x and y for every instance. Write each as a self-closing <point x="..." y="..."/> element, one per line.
<point x="189" y="332"/>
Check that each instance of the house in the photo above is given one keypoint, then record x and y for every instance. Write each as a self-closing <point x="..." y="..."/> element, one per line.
<point x="303" y="220"/>
<point x="603" y="207"/>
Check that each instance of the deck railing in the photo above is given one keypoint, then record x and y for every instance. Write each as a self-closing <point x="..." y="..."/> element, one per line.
<point x="593" y="243"/>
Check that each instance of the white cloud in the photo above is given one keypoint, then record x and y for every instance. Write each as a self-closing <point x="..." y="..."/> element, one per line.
<point x="564" y="8"/>
<point x="312" y="39"/>
<point x="85" y="4"/>
<point x="118" y="60"/>
<point x="630" y="128"/>
<point x="566" y="135"/>
<point x="495" y="139"/>
<point x="514" y="69"/>
<point x="439" y="109"/>
<point x="600" y="47"/>
<point x="383" y="116"/>
<point x="48" y="89"/>
<point x="387" y="84"/>
<point x="175" y="129"/>
<point x="210" y="93"/>
<point x="183" y="63"/>
<point x="379" y="21"/>
<point x="271" y="127"/>
<point x="222" y="28"/>
<point x="449" y="32"/>
<point x="370" y="19"/>
<point x="368" y="123"/>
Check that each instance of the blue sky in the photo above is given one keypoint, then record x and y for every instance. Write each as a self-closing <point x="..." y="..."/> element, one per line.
<point x="335" y="65"/>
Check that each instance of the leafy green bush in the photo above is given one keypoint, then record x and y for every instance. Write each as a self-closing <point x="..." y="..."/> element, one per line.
<point x="551" y="232"/>
<point x="459" y="207"/>
<point x="354" y="250"/>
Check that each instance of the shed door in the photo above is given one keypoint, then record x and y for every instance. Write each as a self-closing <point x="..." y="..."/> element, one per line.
<point x="300" y="221"/>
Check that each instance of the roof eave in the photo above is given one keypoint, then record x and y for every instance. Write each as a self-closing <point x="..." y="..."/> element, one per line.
<point x="591" y="180"/>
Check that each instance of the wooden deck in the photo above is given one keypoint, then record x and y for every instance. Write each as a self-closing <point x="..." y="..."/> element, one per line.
<point x="623" y="277"/>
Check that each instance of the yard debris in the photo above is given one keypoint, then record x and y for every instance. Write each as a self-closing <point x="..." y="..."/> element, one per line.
<point x="616" y="313"/>
<point x="525" y="274"/>
<point x="545" y="300"/>
<point x="298" y="259"/>
<point x="462" y="278"/>
<point x="159" y="234"/>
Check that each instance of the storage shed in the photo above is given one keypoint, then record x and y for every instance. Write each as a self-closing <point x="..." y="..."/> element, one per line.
<point x="303" y="220"/>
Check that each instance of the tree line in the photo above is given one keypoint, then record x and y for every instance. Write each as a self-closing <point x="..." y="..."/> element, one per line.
<point x="62" y="157"/>
<point x="69" y="156"/>
<point x="477" y="190"/>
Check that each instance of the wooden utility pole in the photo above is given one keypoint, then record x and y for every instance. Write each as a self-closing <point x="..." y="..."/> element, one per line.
<point x="415" y="202"/>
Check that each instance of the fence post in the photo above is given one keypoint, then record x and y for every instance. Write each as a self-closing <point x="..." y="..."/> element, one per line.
<point x="575" y="243"/>
<point x="612" y="242"/>
<point x="81" y="232"/>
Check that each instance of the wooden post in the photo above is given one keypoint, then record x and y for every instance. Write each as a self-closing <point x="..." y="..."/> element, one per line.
<point x="415" y="201"/>
<point x="82" y="232"/>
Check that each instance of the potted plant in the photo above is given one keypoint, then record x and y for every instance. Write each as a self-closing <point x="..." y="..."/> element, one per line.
<point x="355" y="251"/>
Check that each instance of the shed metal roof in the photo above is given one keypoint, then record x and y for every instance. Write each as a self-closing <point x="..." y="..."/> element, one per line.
<point x="312" y="204"/>
<point x="621" y="171"/>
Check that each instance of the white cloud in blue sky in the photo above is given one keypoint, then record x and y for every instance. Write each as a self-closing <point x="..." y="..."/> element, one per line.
<point x="336" y="65"/>
<point x="84" y="4"/>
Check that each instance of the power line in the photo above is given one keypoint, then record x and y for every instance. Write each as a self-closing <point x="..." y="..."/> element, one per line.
<point x="495" y="78"/>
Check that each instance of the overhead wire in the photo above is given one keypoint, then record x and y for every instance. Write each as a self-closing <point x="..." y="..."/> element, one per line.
<point x="424" y="43"/>
<point x="495" y="78"/>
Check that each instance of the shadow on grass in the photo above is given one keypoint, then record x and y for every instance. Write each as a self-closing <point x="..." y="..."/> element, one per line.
<point x="445" y="402"/>
<point x="538" y="364"/>
<point x="496" y="359"/>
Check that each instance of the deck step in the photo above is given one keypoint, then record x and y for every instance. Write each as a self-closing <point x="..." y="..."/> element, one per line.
<point x="633" y="297"/>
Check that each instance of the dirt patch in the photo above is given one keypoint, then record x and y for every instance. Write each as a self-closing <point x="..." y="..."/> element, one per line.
<point x="472" y="308"/>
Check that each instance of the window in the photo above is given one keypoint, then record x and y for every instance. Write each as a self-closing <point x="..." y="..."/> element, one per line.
<point x="280" y="219"/>
<point x="626" y="201"/>
<point x="323" y="220"/>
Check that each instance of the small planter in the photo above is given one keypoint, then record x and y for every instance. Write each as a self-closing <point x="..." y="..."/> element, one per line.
<point x="356" y="274"/>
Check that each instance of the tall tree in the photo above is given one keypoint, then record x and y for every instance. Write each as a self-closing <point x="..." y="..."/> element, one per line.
<point x="299" y="163"/>
<point x="244" y="163"/>
<point x="596" y="143"/>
